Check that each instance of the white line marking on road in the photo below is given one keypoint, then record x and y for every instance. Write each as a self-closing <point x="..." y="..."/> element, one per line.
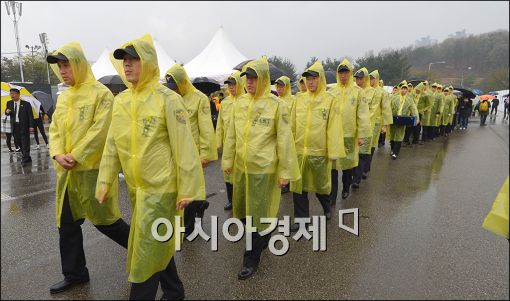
<point x="8" y="198"/>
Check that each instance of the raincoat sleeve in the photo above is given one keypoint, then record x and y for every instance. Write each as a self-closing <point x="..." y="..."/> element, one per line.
<point x="57" y="143"/>
<point x="93" y="143"/>
<point x="229" y="145"/>
<point x="190" y="177"/>
<point x="208" y="149"/>
<point x="293" y="119"/>
<point x="286" y="149"/>
<point x="220" y="131"/>
<point x="109" y="167"/>
<point x="335" y="133"/>
<point x="386" y="110"/>
<point x="363" y="116"/>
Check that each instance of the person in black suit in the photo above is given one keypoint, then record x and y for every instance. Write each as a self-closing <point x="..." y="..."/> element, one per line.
<point x="22" y="122"/>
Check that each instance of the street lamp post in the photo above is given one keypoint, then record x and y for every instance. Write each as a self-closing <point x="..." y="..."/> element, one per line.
<point x="16" y="8"/>
<point x="44" y="42"/>
<point x="462" y="77"/>
<point x="430" y="65"/>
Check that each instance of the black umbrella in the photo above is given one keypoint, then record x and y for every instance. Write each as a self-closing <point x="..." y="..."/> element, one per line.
<point x="330" y="77"/>
<point x="206" y="85"/>
<point x="46" y="101"/>
<point x="274" y="72"/>
<point x="465" y="92"/>
<point x="415" y="82"/>
<point x="113" y="82"/>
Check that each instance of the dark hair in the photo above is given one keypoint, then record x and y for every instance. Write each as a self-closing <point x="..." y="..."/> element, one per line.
<point x="14" y="90"/>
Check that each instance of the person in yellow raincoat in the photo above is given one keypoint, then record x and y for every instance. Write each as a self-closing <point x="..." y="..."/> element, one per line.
<point x="78" y="135"/>
<point x="455" y="115"/>
<point x="301" y="86"/>
<point x="436" y="110"/>
<point x="317" y="128"/>
<point x="420" y="101"/>
<point x="235" y="90"/>
<point x="367" y="96"/>
<point x="259" y="151"/>
<point x="355" y="114"/>
<point x="380" y="116"/>
<point x="401" y="105"/>
<point x="285" y="91"/>
<point x="151" y="139"/>
<point x="448" y="111"/>
<point x="199" y="112"/>
<point x="424" y="107"/>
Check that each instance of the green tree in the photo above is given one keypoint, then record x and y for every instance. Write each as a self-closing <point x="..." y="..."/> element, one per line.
<point x="284" y="64"/>
<point x="392" y="65"/>
<point x="34" y="69"/>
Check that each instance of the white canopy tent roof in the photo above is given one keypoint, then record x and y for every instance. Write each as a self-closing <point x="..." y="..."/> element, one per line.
<point x="216" y="60"/>
<point x="103" y="66"/>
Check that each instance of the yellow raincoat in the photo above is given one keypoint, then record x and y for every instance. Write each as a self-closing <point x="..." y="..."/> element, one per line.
<point x="455" y="104"/>
<point x="437" y="108"/>
<point x="402" y="106"/>
<point x="259" y="148"/>
<point x="300" y="90"/>
<point x="355" y="119"/>
<point x="317" y="129"/>
<point x="287" y="96"/>
<point x="225" y="114"/>
<point x="497" y="219"/>
<point x="80" y="125"/>
<point x="424" y="101"/>
<point x="199" y="112"/>
<point x="448" y="108"/>
<point x="380" y="109"/>
<point x="151" y="139"/>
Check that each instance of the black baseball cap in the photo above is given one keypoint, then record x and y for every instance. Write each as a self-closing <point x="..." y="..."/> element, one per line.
<point x="342" y="68"/>
<point x="121" y="52"/>
<point x="359" y="74"/>
<point x="170" y="82"/>
<point x="310" y="73"/>
<point x="54" y="58"/>
<point x="230" y="80"/>
<point x="249" y="71"/>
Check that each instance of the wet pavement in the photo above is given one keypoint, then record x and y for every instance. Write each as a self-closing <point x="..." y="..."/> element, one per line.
<point x="420" y="234"/>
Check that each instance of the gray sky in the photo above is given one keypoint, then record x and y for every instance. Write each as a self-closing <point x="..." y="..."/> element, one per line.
<point x="297" y="30"/>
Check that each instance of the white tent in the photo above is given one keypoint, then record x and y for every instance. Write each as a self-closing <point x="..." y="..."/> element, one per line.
<point x="103" y="66"/>
<point x="216" y="60"/>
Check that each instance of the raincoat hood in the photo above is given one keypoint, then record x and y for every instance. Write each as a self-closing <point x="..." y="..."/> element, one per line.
<point x="149" y="75"/>
<point x="381" y="83"/>
<point x="420" y="87"/>
<point x="350" y="81"/>
<point x="239" y="84"/>
<point x="82" y="71"/>
<point x="317" y="67"/>
<point x="299" y="85"/>
<point x="261" y="67"/>
<point x="366" y="80"/>
<point x="180" y="76"/>
<point x="375" y="74"/>
<point x="286" y="82"/>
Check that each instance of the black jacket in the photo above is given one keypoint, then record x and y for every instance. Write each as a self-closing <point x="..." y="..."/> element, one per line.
<point x="25" y="115"/>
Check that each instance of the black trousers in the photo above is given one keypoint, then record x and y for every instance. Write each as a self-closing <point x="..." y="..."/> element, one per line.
<point x="251" y="258"/>
<point x="483" y="118"/>
<point x="395" y="147"/>
<point x="302" y="204"/>
<point x="361" y="168"/>
<point x="230" y="191"/>
<point x="8" y="138"/>
<point x="408" y="132"/>
<point x="22" y="138"/>
<point x="368" y="165"/>
<point x="170" y="284"/>
<point x="71" y="242"/>
<point x="38" y="124"/>
<point x="494" y="110"/>
<point x="193" y="210"/>
<point x="382" y="139"/>
<point x="448" y="128"/>
<point x="347" y="176"/>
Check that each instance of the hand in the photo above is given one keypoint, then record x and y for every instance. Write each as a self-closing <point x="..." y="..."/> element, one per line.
<point x="70" y="159"/>
<point x="102" y="193"/>
<point x="383" y="130"/>
<point x="63" y="161"/>
<point x="31" y="130"/>
<point x="8" y="111"/>
<point x="205" y="163"/>
<point x="361" y="141"/>
<point x="282" y="182"/>
<point x="183" y="203"/>
<point x="228" y="170"/>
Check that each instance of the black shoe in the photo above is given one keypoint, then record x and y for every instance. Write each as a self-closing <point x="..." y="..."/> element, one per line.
<point x="328" y="215"/>
<point x="364" y="175"/>
<point x="294" y="227"/>
<point x="345" y="194"/>
<point x="246" y="272"/>
<point x="228" y="206"/>
<point x="355" y="185"/>
<point x="64" y="285"/>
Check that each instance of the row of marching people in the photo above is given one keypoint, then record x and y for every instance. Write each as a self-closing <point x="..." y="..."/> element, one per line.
<point x="162" y="138"/>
